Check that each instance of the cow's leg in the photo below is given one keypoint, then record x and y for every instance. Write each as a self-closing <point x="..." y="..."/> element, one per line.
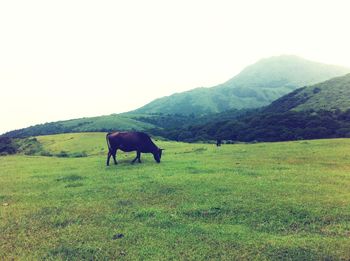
<point x="108" y="157"/>
<point x="114" y="157"/>
<point x="133" y="161"/>
<point x="138" y="154"/>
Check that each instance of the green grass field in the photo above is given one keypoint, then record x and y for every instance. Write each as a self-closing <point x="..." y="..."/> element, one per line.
<point x="265" y="201"/>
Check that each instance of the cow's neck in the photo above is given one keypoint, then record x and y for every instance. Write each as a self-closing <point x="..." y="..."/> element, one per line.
<point x="154" y="148"/>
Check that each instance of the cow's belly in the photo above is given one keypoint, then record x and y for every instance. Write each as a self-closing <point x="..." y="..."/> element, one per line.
<point x="127" y="148"/>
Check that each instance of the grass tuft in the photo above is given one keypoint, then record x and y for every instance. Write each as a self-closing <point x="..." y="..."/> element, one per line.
<point x="70" y="178"/>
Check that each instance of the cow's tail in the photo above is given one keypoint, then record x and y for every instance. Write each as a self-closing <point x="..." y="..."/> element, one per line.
<point x="108" y="144"/>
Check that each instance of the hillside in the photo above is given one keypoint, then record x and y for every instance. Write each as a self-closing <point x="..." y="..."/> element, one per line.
<point x="330" y="95"/>
<point x="256" y="86"/>
<point x="112" y="122"/>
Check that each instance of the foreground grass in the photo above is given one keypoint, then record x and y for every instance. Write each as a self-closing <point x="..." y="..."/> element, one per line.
<point x="260" y="201"/>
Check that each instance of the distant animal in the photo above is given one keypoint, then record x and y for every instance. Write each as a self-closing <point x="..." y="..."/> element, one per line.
<point x="131" y="141"/>
<point x="218" y="142"/>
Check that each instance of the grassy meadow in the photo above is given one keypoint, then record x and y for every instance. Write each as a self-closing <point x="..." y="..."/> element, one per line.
<point x="264" y="201"/>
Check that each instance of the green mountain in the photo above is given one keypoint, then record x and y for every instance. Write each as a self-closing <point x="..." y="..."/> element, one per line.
<point x="330" y="95"/>
<point x="318" y="111"/>
<point x="256" y="86"/>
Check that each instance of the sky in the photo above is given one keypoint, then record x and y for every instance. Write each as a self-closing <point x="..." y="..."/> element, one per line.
<point x="63" y="59"/>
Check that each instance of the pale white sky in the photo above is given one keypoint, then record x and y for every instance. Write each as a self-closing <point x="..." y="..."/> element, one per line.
<point x="68" y="59"/>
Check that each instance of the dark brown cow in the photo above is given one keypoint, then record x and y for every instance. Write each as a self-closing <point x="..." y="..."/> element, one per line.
<point x="131" y="141"/>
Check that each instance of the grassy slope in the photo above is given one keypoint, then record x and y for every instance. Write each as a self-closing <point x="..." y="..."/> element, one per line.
<point x="329" y="95"/>
<point x="262" y="201"/>
<point x="90" y="143"/>
<point x="114" y="121"/>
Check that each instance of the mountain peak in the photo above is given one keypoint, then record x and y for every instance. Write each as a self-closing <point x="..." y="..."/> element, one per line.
<point x="288" y="70"/>
<point x="255" y="86"/>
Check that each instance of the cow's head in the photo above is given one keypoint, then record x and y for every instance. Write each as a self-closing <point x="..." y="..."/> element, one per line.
<point x="158" y="155"/>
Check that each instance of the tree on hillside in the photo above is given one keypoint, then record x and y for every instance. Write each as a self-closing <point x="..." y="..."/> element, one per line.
<point x="7" y="146"/>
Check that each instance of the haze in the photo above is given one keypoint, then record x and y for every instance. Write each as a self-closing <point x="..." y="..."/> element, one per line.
<point x="68" y="59"/>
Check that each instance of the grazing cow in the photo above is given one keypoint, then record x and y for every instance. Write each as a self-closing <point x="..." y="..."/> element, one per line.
<point x="131" y="141"/>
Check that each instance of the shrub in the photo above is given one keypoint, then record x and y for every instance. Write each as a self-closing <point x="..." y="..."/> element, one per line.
<point x="7" y="146"/>
<point x="46" y="154"/>
<point x="62" y="154"/>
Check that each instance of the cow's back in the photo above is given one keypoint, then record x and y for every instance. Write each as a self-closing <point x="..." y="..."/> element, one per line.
<point x="130" y="141"/>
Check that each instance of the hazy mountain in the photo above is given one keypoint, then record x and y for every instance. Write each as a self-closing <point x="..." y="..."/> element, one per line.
<point x="330" y="95"/>
<point x="256" y="86"/>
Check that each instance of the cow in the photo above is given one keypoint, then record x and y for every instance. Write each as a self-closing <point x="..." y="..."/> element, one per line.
<point x="131" y="141"/>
